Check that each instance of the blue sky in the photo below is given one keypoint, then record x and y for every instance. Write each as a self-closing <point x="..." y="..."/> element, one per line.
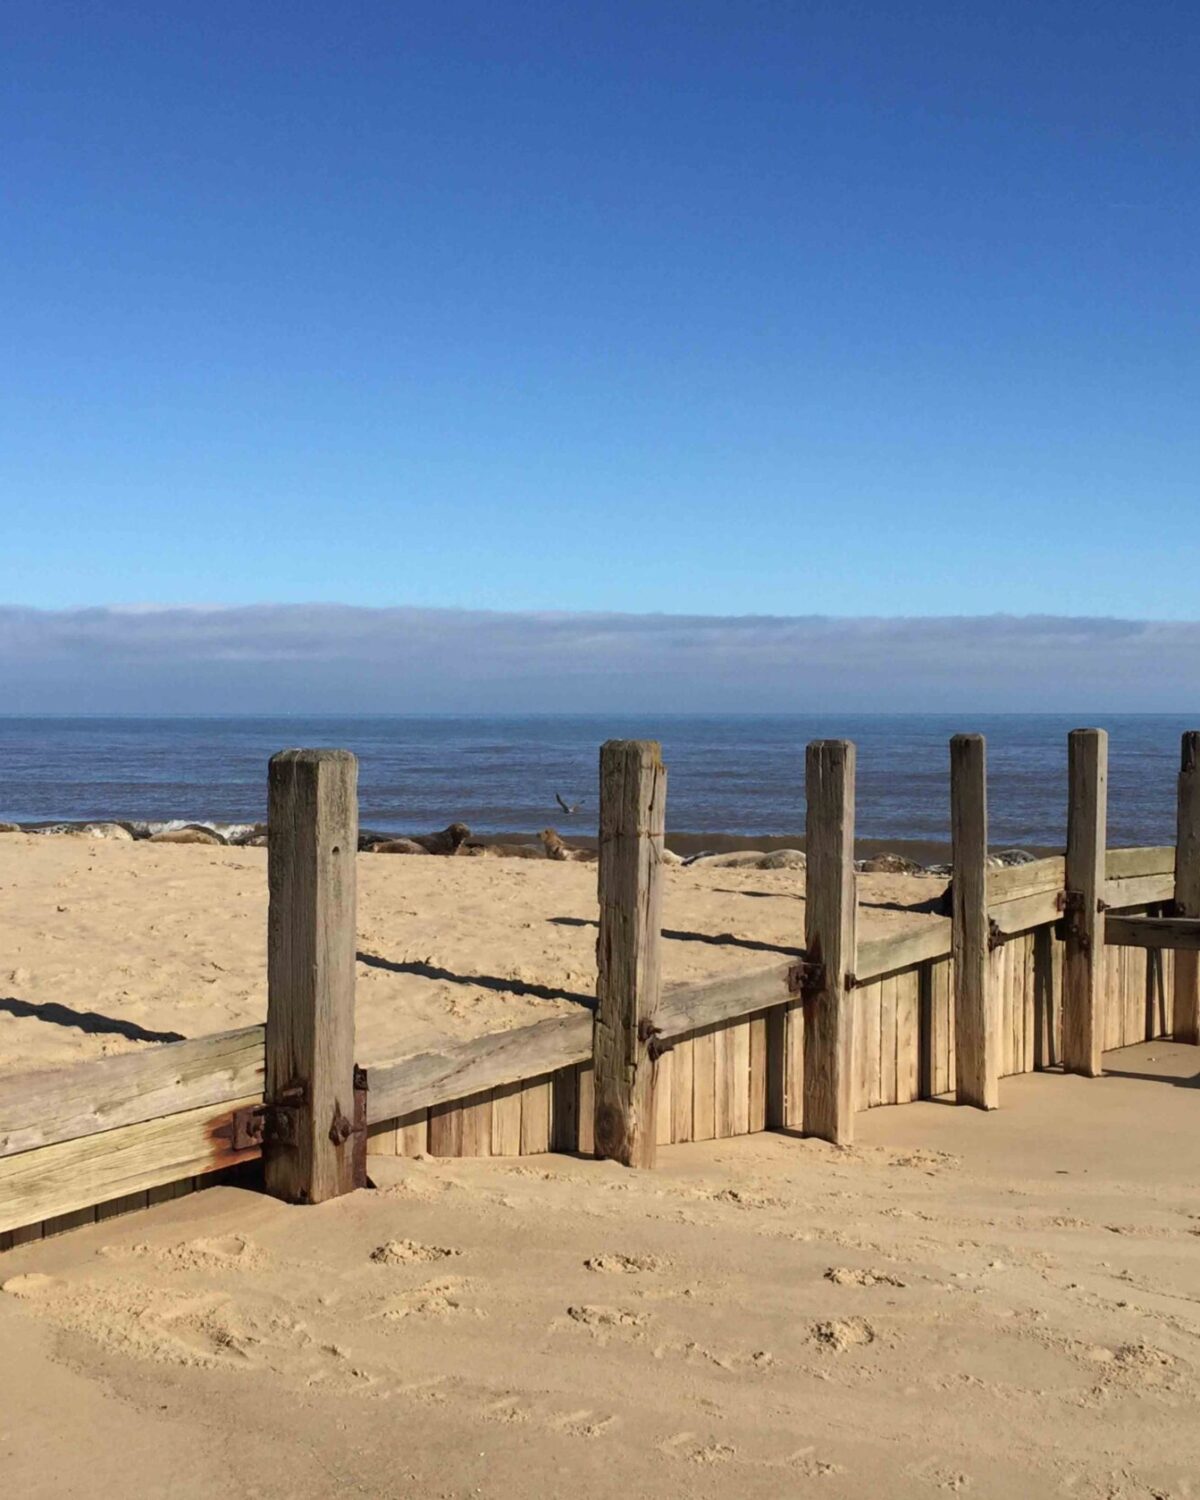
<point x="704" y="308"/>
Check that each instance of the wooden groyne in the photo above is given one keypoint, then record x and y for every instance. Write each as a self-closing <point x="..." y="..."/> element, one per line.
<point x="1041" y="965"/>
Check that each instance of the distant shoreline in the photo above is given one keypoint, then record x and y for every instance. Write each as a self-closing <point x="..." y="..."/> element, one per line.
<point x="924" y="852"/>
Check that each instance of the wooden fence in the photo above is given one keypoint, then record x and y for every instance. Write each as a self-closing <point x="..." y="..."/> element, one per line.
<point x="1023" y="975"/>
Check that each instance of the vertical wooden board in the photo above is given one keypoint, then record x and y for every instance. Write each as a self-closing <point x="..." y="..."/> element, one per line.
<point x="908" y="994"/>
<point x="739" y="1095"/>
<point x="942" y="1006"/>
<point x="926" y="1064"/>
<point x="535" y="1116"/>
<point x="27" y="1234"/>
<point x="167" y="1192"/>
<point x="564" y="1109"/>
<point x="1185" y="970"/>
<point x="1001" y="998"/>
<point x="704" y="1076"/>
<point x="1030" y="1001"/>
<point x="887" y="1040"/>
<point x="477" y="1124"/>
<point x="1115" y="1034"/>
<point x="1016" y="984"/>
<point x="312" y="816"/>
<point x="979" y="1017"/>
<point x="1083" y="965"/>
<point x="869" y="1007"/>
<point x="681" y="1091"/>
<point x="115" y="1207"/>
<point x="664" y="1097"/>
<point x="830" y="922"/>
<point x="412" y="1133"/>
<point x="725" y="1085"/>
<point x="506" y="1120"/>
<point x="1169" y="988"/>
<point x="446" y="1129"/>
<point x="757" y="1100"/>
<point x="587" y="1106"/>
<point x="62" y="1223"/>
<point x="381" y="1139"/>
<point x="633" y="789"/>
<point x="951" y="1031"/>
<point x="794" y="1078"/>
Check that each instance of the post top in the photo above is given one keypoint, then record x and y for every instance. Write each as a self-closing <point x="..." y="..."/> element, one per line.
<point x="314" y="757"/>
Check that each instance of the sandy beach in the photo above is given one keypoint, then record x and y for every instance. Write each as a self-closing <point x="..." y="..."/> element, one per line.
<point x="112" y="946"/>
<point x="998" y="1305"/>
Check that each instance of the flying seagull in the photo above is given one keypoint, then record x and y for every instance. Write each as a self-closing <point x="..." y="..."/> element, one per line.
<point x="568" y="808"/>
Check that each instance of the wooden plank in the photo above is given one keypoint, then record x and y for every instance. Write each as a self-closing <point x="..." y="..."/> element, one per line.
<point x="446" y="1130"/>
<point x="1030" y="944"/>
<point x="829" y="939"/>
<point x="1045" y="1052"/>
<point x="907" y="1036"/>
<point x="681" y="1091"/>
<point x="1138" y="890"/>
<point x="887" y="1040"/>
<point x="1039" y="877"/>
<point x="1124" y="864"/>
<point x="978" y="1042"/>
<point x="564" y="1110"/>
<point x="903" y="950"/>
<point x="477" y="1125"/>
<point x="535" y="1117"/>
<point x="633" y="790"/>
<point x="506" y="1120"/>
<point x="470" y="1067"/>
<point x="757" y="1095"/>
<point x="586" y="1108"/>
<point x="128" y="1203"/>
<point x="1180" y="933"/>
<point x="1185" y="1020"/>
<point x="1083" y="974"/>
<point x="76" y="1175"/>
<point x="1025" y="912"/>
<point x="704" y="1085"/>
<point x="870" y="1007"/>
<point x="312" y="816"/>
<point x="926" y="1054"/>
<point x="941" y="983"/>
<point x="381" y="1139"/>
<point x="724" y="1081"/>
<point x="412" y="1133"/>
<point x="739" y="1082"/>
<point x="64" y="1104"/>
<point x="664" y="1098"/>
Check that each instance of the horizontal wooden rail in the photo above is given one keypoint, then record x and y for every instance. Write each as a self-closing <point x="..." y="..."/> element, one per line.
<point x="76" y="1174"/>
<point x="66" y="1104"/>
<point x="1123" y="864"/>
<point x="1139" y="890"/>
<point x="1033" y="879"/>
<point x="1181" y="933"/>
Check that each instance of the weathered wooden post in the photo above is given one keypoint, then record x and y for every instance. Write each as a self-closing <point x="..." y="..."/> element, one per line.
<point x="830" y="909"/>
<point x="1083" y="953"/>
<point x="309" y="1141"/>
<point x="633" y="796"/>
<point x="977" y="1043"/>
<point x="1185" y="1018"/>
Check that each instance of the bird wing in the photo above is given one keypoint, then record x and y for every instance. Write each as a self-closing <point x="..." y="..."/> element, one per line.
<point x="561" y="803"/>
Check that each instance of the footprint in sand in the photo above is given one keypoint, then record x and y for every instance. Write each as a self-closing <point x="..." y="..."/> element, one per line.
<point x="606" y="1317"/>
<point x="625" y="1265"/>
<point x="840" y="1334"/>
<point x="857" y="1276"/>
<point x="409" y="1252"/>
<point x="433" y="1299"/>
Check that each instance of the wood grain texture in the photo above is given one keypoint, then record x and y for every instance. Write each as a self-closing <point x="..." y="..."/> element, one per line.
<point x="704" y="1085"/>
<point x="1185" y="1015"/>
<point x="1179" y="933"/>
<point x="633" y="789"/>
<point x="1083" y="971"/>
<point x="312" y="814"/>
<point x="681" y="1090"/>
<point x="506" y="1120"/>
<point x="978" y="1052"/>
<point x="536" y="1100"/>
<point x="830" y="910"/>
<point x="64" y="1104"/>
<point x="74" y="1176"/>
<point x="1129" y="864"/>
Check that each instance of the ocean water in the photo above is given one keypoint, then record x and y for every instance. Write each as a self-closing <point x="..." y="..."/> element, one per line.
<point x="727" y="774"/>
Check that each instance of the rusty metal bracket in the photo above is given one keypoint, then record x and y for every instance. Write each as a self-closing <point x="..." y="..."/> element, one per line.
<point x="806" y="979"/>
<point x="996" y="938"/>
<point x="273" y="1121"/>
<point x="651" y="1038"/>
